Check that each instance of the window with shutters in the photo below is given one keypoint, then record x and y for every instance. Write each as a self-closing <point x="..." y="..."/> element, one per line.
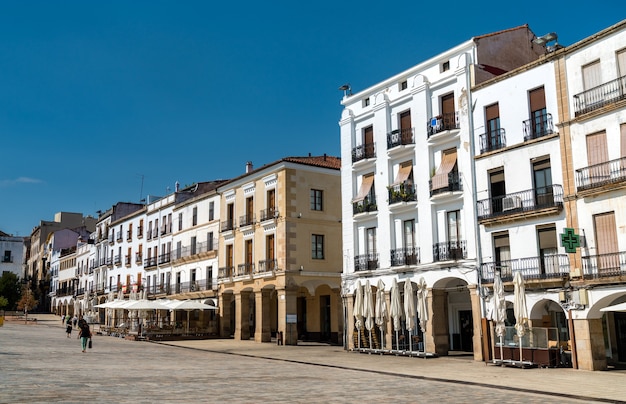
<point x="540" y="122"/>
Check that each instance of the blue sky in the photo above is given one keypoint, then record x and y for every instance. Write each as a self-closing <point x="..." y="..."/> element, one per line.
<point x="95" y="95"/>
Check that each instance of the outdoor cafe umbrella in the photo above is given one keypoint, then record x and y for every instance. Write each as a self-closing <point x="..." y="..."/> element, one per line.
<point x="395" y="310"/>
<point x="188" y="306"/>
<point x="519" y="307"/>
<point x="615" y="307"/>
<point x="357" y="310"/>
<point x="368" y="309"/>
<point x="381" y="310"/>
<point x="422" y="305"/>
<point x="499" y="309"/>
<point x="409" y="310"/>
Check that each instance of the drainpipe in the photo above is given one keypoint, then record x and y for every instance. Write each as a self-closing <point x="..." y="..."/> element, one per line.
<point x="572" y="337"/>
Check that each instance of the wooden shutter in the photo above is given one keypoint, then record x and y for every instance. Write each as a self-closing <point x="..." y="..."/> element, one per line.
<point x="447" y="104"/>
<point x="537" y="99"/>
<point x="448" y="161"/>
<point x="492" y="112"/>
<point x="597" y="153"/>
<point x="405" y="120"/>
<point x="622" y="140"/>
<point x="621" y="62"/>
<point x="592" y="76"/>
<point x="606" y="242"/>
<point x="368" y="135"/>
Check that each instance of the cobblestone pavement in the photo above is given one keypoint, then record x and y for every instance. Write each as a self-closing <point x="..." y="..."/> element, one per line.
<point x="39" y="364"/>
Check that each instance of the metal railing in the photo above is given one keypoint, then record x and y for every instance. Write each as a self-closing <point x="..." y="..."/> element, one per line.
<point x="404" y="192"/>
<point x="366" y="205"/>
<point x="443" y="122"/>
<point x="246" y="220"/>
<point x="197" y="248"/>
<point x="553" y="266"/>
<point x="364" y="151"/>
<point x="267" y="265"/>
<point x="269" y="214"/>
<point x="493" y="140"/>
<point x="454" y="184"/>
<point x="538" y="127"/>
<point x="366" y="262"/>
<point x="523" y="201"/>
<point x="164" y="258"/>
<point x="150" y="262"/>
<point x="400" y="137"/>
<point x="227" y="225"/>
<point x="117" y="260"/>
<point x="601" y="174"/>
<point x="449" y="250"/>
<point x="597" y="97"/>
<point x="245" y="269"/>
<point x="604" y="265"/>
<point x="138" y="258"/>
<point x="225" y="272"/>
<point x="405" y="256"/>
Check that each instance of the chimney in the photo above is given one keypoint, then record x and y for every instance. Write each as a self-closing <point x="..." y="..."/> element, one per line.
<point x="248" y="167"/>
<point x="177" y="185"/>
<point x="324" y="156"/>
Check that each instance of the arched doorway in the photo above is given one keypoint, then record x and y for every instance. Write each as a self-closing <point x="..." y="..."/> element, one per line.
<point x="452" y="317"/>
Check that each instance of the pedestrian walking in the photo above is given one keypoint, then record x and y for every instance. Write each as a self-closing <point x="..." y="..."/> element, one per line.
<point x="68" y="327"/>
<point x="84" y="334"/>
<point x="74" y="320"/>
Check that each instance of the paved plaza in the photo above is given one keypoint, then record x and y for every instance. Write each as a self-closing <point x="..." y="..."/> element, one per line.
<point x="39" y="364"/>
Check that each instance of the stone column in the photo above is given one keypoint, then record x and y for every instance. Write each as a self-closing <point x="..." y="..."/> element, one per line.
<point x="349" y="301"/>
<point x="262" y="332"/>
<point x="287" y="305"/>
<point x="437" y="336"/>
<point x="224" y="301"/>
<point x="590" y="351"/>
<point x="242" y="315"/>
<point x="477" y="339"/>
<point x="336" y="306"/>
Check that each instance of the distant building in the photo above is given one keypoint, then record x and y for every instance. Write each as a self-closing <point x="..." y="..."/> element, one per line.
<point x="12" y="250"/>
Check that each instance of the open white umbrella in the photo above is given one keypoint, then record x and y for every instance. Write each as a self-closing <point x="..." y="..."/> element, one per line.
<point x="615" y="307"/>
<point x="357" y="310"/>
<point x="395" y="310"/>
<point x="381" y="311"/>
<point x="519" y="307"/>
<point x="499" y="309"/>
<point x="422" y="304"/>
<point x="409" y="310"/>
<point x="188" y="306"/>
<point x="368" y="309"/>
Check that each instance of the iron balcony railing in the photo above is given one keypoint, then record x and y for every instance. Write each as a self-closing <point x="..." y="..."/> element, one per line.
<point x="366" y="262"/>
<point x="454" y="184"/>
<point x="7" y="258"/>
<point x="400" y="137"/>
<point x="246" y="220"/>
<point x="129" y="235"/>
<point x="150" y="262"/>
<point x="117" y="260"/>
<point x="245" y="269"/>
<point x="523" y="201"/>
<point x="103" y="261"/>
<point x="227" y="225"/>
<point x="111" y="237"/>
<point x="267" y="265"/>
<point x="552" y="266"/>
<point x="119" y="236"/>
<point x="364" y="151"/>
<point x="601" y="174"/>
<point x="138" y="258"/>
<point x="598" y="97"/>
<point x="404" y="192"/>
<point x="449" y="250"/>
<point x="225" y="272"/>
<point x="139" y="232"/>
<point x="197" y="248"/>
<point x="191" y="286"/>
<point x="164" y="258"/>
<point x="443" y="122"/>
<point x="127" y="260"/>
<point x="366" y="205"/>
<point x="493" y="140"/>
<point x="405" y="256"/>
<point x="155" y="233"/>
<point x="604" y="265"/>
<point x="269" y="214"/>
<point x="149" y="234"/>
<point x="538" y="126"/>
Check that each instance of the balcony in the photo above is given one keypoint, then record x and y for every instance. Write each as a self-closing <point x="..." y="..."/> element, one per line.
<point x="139" y="232"/>
<point x="7" y="259"/>
<point x="127" y="260"/>
<point x="537" y="127"/>
<point x="138" y="258"/>
<point x="196" y="249"/>
<point x="405" y="256"/>
<point x="548" y="267"/>
<point x="599" y="175"/>
<point x="491" y="141"/>
<point x="604" y="265"/>
<point x="449" y="250"/>
<point x="164" y="258"/>
<point x="129" y="235"/>
<point x="404" y="192"/>
<point x="531" y="200"/>
<point x="245" y="269"/>
<point x="155" y="233"/>
<point x="111" y="238"/>
<point x="267" y="266"/>
<point x="400" y="137"/>
<point x="443" y="122"/>
<point x="366" y="205"/>
<point x="246" y="220"/>
<point x="366" y="262"/>
<point x="150" y="262"/>
<point x="227" y="225"/>
<point x="600" y="96"/>
<point x="365" y="151"/>
<point x="119" y="236"/>
<point x="454" y="184"/>
<point x="225" y="272"/>
<point x="269" y="214"/>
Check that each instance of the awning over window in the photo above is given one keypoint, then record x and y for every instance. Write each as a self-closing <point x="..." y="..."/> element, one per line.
<point x="366" y="186"/>
<point x="403" y="174"/>
<point x="448" y="161"/>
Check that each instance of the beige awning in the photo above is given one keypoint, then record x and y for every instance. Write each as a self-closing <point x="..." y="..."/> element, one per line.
<point x="366" y="186"/>
<point x="403" y="174"/>
<point x="448" y="161"/>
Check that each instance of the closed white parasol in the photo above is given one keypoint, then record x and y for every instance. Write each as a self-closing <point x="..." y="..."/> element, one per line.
<point x="409" y="310"/>
<point x="381" y="311"/>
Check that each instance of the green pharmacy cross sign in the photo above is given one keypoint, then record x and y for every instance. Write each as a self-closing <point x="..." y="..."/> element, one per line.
<point x="570" y="240"/>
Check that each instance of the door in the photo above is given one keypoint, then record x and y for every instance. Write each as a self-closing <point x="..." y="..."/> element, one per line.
<point x="325" y="334"/>
<point x="497" y="188"/>
<point x="447" y="111"/>
<point x="538" y="113"/>
<point x="455" y="250"/>
<point x="269" y="253"/>
<point x="544" y="195"/>
<point x="410" y="252"/>
<point x="406" y="133"/>
<point x="466" y="330"/>
<point x="620" y="331"/>
<point x="368" y="141"/>
<point x="492" y="116"/>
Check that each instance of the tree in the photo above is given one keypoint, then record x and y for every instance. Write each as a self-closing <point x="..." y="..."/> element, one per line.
<point x="10" y="288"/>
<point x="3" y="302"/>
<point x="27" y="301"/>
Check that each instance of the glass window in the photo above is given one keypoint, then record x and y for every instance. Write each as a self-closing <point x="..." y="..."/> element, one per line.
<point x="317" y="246"/>
<point x="316" y="199"/>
